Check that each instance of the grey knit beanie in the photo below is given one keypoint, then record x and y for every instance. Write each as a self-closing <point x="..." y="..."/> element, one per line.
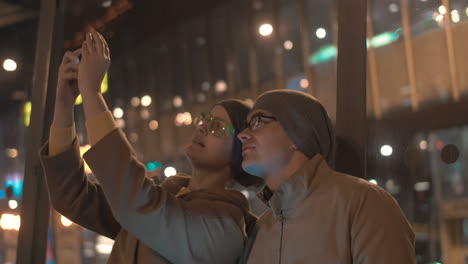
<point x="304" y="120"/>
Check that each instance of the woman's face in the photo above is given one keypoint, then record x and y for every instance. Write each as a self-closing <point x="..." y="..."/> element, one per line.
<point x="209" y="151"/>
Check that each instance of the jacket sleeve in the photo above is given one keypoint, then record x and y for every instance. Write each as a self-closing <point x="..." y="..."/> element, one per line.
<point x="73" y="195"/>
<point x="181" y="231"/>
<point x="380" y="232"/>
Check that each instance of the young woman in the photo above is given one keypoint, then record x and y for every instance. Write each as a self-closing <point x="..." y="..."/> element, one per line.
<point x="185" y="219"/>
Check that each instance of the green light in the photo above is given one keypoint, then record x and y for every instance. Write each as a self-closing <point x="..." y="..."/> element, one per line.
<point x="324" y="54"/>
<point x="384" y="39"/>
<point x="27" y="113"/>
<point x="330" y="52"/>
<point x="151" y="166"/>
<point x="105" y="84"/>
<point x="79" y="100"/>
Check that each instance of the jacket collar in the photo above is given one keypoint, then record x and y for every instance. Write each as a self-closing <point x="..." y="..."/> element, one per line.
<point x="292" y="192"/>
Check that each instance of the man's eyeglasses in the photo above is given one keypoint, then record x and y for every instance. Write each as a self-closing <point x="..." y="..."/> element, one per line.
<point x="215" y="125"/>
<point x="257" y="121"/>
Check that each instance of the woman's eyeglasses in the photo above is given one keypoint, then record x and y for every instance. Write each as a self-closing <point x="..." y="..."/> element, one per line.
<point x="215" y="125"/>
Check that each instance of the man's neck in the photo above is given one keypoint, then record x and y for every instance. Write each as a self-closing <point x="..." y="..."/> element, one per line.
<point x="280" y="175"/>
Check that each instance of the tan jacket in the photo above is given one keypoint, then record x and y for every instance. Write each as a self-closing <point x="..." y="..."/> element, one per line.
<point x="206" y="226"/>
<point x="326" y="217"/>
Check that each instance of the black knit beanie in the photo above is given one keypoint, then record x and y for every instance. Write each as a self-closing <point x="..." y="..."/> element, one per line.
<point x="304" y="120"/>
<point x="238" y="111"/>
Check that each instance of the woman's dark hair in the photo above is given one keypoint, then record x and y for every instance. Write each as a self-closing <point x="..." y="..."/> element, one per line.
<point x="238" y="111"/>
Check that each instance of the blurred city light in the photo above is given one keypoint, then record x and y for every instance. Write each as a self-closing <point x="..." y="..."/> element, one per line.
<point x="15" y="182"/>
<point x="106" y="3"/>
<point x="135" y="101"/>
<point x="221" y="86"/>
<point x="10" y="222"/>
<point x="423" y="144"/>
<point x="288" y="45"/>
<point x="201" y="41"/>
<point x="11" y="153"/>
<point x="177" y="102"/>
<point x="104" y="245"/>
<point x="179" y="120"/>
<point x="170" y="171"/>
<point x="205" y="86"/>
<point x="329" y="52"/>
<point x="384" y="39"/>
<point x="146" y="100"/>
<point x="13" y="204"/>
<point x="304" y="83"/>
<point x="187" y="119"/>
<point x="442" y="10"/>
<point x="65" y="221"/>
<point x="422" y="186"/>
<point x="393" y="8"/>
<point x="386" y="150"/>
<point x="249" y="101"/>
<point x="120" y="123"/>
<point x="440" y="144"/>
<point x="265" y="30"/>
<point x="440" y="19"/>
<point x="373" y="181"/>
<point x="321" y="33"/>
<point x="9" y="65"/>
<point x="201" y="98"/>
<point x="133" y="137"/>
<point x="152" y="166"/>
<point x="153" y="125"/>
<point x="324" y="54"/>
<point x="455" y="16"/>
<point x="392" y="187"/>
<point x="118" y="112"/>
<point x="144" y="114"/>
<point x="83" y="150"/>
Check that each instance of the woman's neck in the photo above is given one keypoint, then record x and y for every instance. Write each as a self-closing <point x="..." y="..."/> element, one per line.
<point x="209" y="179"/>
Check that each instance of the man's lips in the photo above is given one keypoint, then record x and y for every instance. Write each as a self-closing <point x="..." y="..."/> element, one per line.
<point x="246" y="148"/>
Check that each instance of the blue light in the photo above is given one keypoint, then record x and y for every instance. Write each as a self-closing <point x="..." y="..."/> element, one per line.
<point x="17" y="185"/>
<point x="2" y="194"/>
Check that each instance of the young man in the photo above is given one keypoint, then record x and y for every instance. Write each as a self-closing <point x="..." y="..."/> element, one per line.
<point x="317" y="215"/>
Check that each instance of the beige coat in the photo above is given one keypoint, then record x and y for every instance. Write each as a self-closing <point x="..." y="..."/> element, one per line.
<point x="148" y="222"/>
<point x="325" y="217"/>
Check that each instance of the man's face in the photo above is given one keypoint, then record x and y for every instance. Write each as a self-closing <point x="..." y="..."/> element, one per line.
<point x="265" y="145"/>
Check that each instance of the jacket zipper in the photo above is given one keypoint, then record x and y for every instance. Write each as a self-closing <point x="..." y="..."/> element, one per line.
<point x="281" y="238"/>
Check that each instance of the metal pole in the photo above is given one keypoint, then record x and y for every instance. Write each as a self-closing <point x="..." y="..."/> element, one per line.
<point x="409" y="54"/>
<point x="277" y="47"/>
<point x="374" y="78"/>
<point x="351" y="123"/>
<point x="35" y="204"/>
<point x="305" y="43"/>
<point x="451" y="51"/>
<point x="253" y="65"/>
